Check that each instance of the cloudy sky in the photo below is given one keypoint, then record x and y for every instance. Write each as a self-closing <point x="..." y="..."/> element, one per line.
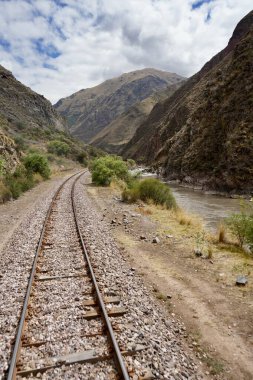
<point x="58" y="47"/>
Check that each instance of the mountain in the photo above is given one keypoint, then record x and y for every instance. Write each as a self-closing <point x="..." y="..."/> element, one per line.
<point x="29" y="121"/>
<point x="203" y="134"/>
<point x="116" y="135"/>
<point x="89" y="111"/>
<point x="24" y="107"/>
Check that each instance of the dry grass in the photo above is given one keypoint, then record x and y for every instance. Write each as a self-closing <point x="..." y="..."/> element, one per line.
<point x="185" y="219"/>
<point x="144" y="210"/>
<point x="117" y="185"/>
<point x="221" y="233"/>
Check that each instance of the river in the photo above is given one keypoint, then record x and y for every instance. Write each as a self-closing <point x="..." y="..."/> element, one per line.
<point x="211" y="208"/>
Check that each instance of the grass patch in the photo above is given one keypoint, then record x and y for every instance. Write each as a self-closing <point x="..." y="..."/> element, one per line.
<point x="221" y="233"/>
<point x="216" y="367"/>
<point x="161" y="296"/>
<point x="184" y="219"/>
<point x="150" y="191"/>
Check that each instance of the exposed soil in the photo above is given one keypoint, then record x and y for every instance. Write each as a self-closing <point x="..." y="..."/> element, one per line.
<point x="218" y="315"/>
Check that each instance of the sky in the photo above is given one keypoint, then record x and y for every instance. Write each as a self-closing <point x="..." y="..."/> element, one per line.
<point x="58" y="47"/>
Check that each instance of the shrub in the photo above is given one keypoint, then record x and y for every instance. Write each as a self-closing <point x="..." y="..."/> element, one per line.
<point x="20" y="143"/>
<point x="5" y="193"/>
<point x="37" y="163"/>
<point x="59" y="148"/>
<point x="158" y="191"/>
<point x="131" y="195"/>
<point x="105" y="169"/>
<point x="19" y="181"/>
<point x="150" y="189"/>
<point x="82" y="158"/>
<point x="2" y="163"/>
<point x="241" y="226"/>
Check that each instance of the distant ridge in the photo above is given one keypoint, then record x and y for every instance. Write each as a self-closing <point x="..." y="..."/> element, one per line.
<point x="91" y="110"/>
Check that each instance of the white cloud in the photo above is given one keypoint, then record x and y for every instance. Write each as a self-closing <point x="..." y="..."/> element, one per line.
<point x="58" y="49"/>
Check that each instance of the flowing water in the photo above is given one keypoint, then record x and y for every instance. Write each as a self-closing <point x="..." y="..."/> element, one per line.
<point x="211" y="208"/>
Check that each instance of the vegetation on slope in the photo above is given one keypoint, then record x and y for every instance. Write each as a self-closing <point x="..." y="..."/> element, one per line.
<point x="112" y="168"/>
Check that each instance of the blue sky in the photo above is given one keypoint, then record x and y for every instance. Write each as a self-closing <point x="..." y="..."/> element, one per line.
<point x="58" y="47"/>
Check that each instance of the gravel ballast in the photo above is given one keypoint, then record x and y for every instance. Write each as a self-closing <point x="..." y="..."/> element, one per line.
<point x="56" y="313"/>
<point x="145" y="323"/>
<point x="16" y="261"/>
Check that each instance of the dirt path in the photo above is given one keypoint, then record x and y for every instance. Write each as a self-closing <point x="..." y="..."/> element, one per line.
<point x="218" y="315"/>
<point x="12" y="213"/>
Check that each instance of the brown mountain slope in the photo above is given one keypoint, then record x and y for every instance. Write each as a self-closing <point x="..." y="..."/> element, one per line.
<point x="116" y="135"/>
<point x="203" y="134"/>
<point x="19" y="104"/>
<point x="28" y="120"/>
<point x="91" y="110"/>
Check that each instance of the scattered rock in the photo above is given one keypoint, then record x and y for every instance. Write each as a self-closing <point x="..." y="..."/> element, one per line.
<point x="241" y="281"/>
<point x="142" y="237"/>
<point x="148" y="375"/>
<point x="169" y="296"/>
<point x="198" y="252"/>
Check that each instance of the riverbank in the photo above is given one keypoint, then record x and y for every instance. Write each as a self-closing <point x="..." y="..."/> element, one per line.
<point x="200" y="291"/>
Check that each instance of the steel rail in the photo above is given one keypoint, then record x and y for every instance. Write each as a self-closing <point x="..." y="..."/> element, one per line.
<point x="117" y="354"/>
<point x="18" y="342"/>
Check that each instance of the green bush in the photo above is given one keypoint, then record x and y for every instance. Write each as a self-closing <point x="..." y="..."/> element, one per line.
<point x="150" y="189"/>
<point x="105" y="169"/>
<point x="5" y="193"/>
<point x="241" y="226"/>
<point x="82" y="158"/>
<point x="37" y="163"/>
<point x="59" y="148"/>
<point x="20" y="143"/>
<point x="18" y="182"/>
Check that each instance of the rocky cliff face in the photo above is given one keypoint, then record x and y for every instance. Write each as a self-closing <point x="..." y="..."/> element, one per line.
<point x="9" y="156"/>
<point x="89" y="111"/>
<point x="20" y="105"/>
<point x="203" y="134"/>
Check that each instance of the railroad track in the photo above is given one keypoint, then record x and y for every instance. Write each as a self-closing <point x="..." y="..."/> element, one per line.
<point x="65" y="327"/>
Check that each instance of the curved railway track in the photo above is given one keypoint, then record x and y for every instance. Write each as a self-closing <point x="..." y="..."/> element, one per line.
<point x="63" y="311"/>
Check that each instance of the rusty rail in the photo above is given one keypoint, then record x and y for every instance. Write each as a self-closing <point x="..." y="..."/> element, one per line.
<point x="117" y="354"/>
<point x="18" y="342"/>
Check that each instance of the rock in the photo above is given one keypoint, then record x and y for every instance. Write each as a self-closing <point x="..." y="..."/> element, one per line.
<point x="241" y="281"/>
<point x="113" y="221"/>
<point x="142" y="237"/>
<point x="169" y="236"/>
<point x="148" y="375"/>
<point x="198" y="252"/>
<point x="156" y="240"/>
<point x="169" y="296"/>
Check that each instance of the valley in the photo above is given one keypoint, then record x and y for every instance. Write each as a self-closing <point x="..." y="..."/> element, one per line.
<point x="126" y="209"/>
